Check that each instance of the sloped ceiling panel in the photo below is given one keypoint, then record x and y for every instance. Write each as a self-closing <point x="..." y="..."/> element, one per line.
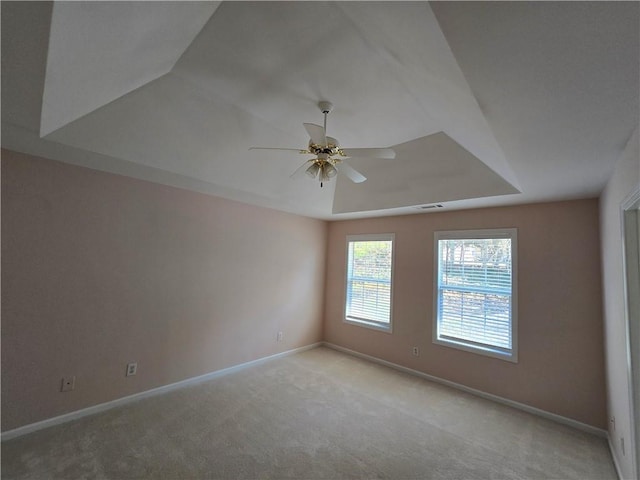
<point x="25" y="32"/>
<point x="427" y="170"/>
<point x="99" y="51"/>
<point x="170" y="125"/>
<point x="559" y="82"/>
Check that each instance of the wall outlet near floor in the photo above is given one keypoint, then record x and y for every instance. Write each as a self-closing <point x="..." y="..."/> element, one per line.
<point x="279" y="337"/>
<point x="68" y="383"/>
<point x="132" y="369"/>
<point x="415" y="351"/>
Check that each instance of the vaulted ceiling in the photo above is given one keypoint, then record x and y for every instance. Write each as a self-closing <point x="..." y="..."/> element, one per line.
<point x="485" y="103"/>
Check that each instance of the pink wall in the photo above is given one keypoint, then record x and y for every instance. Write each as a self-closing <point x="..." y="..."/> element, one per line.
<point x="561" y="358"/>
<point x="99" y="270"/>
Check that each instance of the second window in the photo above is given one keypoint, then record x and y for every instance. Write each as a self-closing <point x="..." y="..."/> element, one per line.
<point x="369" y="280"/>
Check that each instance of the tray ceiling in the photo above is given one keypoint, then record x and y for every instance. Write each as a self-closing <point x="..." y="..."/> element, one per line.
<point x="485" y="103"/>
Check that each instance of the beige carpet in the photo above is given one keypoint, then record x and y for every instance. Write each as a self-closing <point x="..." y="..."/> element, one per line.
<point x="316" y="414"/>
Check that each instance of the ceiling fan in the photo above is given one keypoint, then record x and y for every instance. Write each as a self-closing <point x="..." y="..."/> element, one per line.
<point x="329" y="156"/>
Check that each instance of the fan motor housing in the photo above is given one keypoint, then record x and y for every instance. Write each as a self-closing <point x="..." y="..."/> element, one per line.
<point x="332" y="147"/>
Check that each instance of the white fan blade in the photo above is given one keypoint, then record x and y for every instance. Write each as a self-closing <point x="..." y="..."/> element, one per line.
<point x="280" y="149"/>
<point x="370" y="152"/>
<point x="353" y="175"/>
<point x="316" y="133"/>
<point x="301" y="170"/>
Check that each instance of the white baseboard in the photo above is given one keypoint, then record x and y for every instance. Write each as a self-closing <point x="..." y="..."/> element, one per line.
<point x="17" y="432"/>
<point x="613" y="456"/>
<point x="505" y="401"/>
<point x="49" y="422"/>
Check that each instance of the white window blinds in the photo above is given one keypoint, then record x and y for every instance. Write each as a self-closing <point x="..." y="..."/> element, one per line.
<point x="475" y="291"/>
<point x="369" y="271"/>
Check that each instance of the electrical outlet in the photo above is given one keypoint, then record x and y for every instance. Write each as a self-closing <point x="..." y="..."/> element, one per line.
<point x="415" y="351"/>
<point x="68" y="383"/>
<point x="279" y="337"/>
<point x="132" y="369"/>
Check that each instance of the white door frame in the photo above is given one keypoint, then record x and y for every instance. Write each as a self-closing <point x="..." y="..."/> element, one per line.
<point x="630" y="219"/>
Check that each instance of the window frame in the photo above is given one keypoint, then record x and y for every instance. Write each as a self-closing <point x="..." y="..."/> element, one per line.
<point x="467" y="345"/>
<point x="373" y="324"/>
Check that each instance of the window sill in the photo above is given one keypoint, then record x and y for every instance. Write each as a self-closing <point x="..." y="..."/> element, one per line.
<point x="372" y="325"/>
<point x="477" y="349"/>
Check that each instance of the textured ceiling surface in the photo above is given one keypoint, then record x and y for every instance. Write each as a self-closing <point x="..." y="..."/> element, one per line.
<point x="484" y="103"/>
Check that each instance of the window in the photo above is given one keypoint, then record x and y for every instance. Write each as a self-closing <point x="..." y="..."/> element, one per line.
<point x="475" y="291"/>
<point x="369" y="280"/>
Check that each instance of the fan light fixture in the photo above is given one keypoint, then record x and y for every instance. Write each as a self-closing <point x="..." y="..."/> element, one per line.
<point x="323" y="169"/>
<point x="329" y="155"/>
<point x="313" y="170"/>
